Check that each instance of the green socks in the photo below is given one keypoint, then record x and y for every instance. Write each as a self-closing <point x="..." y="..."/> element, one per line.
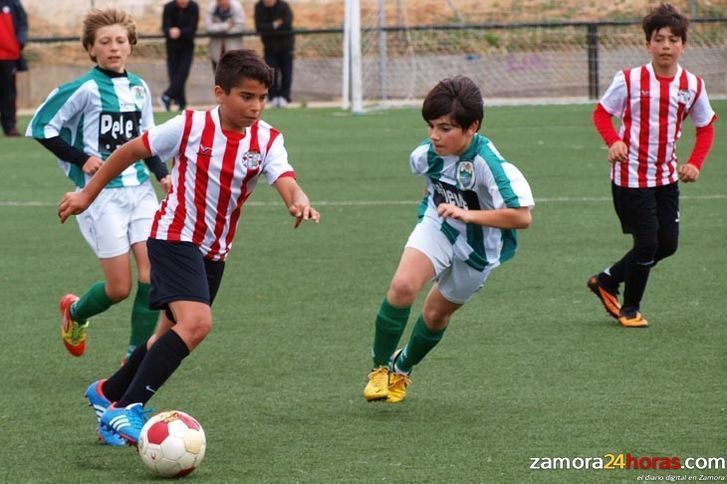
<point x="390" y="324"/>
<point x="421" y="342"/>
<point x="143" y="320"/>
<point x="93" y="302"/>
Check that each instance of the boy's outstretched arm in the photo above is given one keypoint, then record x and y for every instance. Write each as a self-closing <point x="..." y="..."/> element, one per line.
<point x="502" y="218"/>
<point x="74" y="203"/>
<point x="296" y="200"/>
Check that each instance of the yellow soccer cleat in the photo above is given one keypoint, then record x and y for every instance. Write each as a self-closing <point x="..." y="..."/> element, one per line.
<point x="378" y="386"/>
<point x="632" y="319"/>
<point x="397" y="387"/>
<point x="72" y="333"/>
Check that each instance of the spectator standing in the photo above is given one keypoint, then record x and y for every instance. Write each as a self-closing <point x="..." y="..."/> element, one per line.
<point x="274" y="23"/>
<point x="13" y="35"/>
<point x="179" y="23"/>
<point x="223" y="18"/>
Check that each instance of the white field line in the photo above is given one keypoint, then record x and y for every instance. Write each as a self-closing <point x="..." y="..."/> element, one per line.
<point x="364" y="203"/>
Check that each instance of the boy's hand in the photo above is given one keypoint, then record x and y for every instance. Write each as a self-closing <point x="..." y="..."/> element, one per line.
<point x="618" y="152"/>
<point x="166" y="184"/>
<point x="72" y="203"/>
<point x="688" y="173"/>
<point x="92" y="165"/>
<point x="447" y="210"/>
<point x="303" y="212"/>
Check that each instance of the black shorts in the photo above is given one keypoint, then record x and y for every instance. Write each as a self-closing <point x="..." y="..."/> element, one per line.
<point x="179" y="272"/>
<point x="647" y="210"/>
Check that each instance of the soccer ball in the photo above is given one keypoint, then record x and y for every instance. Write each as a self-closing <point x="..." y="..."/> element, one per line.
<point x="172" y="444"/>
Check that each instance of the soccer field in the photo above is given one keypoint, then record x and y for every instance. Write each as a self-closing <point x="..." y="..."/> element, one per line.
<point x="531" y="368"/>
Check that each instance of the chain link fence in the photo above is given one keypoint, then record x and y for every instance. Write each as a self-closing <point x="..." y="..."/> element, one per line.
<point x="547" y="61"/>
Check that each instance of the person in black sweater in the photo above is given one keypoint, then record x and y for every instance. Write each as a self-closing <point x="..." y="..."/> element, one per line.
<point x="274" y="23"/>
<point x="179" y="23"/>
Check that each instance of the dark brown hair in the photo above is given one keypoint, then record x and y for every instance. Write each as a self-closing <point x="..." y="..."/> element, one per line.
<point x="236" y="65"/>
<point x="665" y="15"/>
<point x="457" y="96"/>
<point x="95" y="19"/>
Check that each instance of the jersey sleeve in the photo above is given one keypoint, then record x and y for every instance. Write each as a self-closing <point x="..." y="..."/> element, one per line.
<point x="164" y="140"/>
<point x="147" y="111"/>
<point x="506" y="184"/>
<point x="614" y="99"/>
<point x="276" y="161"/>
<point x="60" y="110"/>
<point x="419" y="160"/>
<point x="516" y="191"/>
<point x="701" y="111"/>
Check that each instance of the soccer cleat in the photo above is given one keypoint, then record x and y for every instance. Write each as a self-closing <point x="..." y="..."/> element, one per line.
<point x="109" y="437"/>
<point x="608" y="298"/>
<point x="73" y="334"/>
<point x="398" y="381"/>
<point x="126" y="421"/>
<point x="378" y="386"/>
<point x="632" y="319"/>
<point x="96" y="399"/>
<point x="397" y="387"/>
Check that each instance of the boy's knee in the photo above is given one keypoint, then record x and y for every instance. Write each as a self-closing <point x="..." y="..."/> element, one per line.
<point x="202" y="327"/>
<point x="645" y="248"/>
<point x="194" y="330"/>
<point x="435" y="319"/>
<point x="402" y="292"/>
<point x="667" y="247"/>
<point x="118" y="292"/>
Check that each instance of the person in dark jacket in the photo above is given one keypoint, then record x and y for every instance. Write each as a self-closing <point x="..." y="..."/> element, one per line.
<point x="13" y="35"/>
<point x="274" y="23"/>
<point x="179" y="23"/>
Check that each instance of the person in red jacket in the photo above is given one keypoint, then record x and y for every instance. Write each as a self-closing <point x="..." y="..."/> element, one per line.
<point x="652" y="102"/>
<point x="13" y="35"/>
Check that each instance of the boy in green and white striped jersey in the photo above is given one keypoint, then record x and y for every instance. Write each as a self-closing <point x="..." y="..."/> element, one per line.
<point x="82" y="123"/>
<point x="474" y="202"/>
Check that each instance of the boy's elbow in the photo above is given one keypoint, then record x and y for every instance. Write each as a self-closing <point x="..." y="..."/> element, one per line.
<point x="525" y="220"/>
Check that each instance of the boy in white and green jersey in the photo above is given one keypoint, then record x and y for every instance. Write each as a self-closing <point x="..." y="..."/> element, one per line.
<point x="474" y="203"/>
<point x="82" y="123"/>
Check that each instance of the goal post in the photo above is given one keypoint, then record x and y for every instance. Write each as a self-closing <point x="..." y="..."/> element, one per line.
<point x="352" y="88"/>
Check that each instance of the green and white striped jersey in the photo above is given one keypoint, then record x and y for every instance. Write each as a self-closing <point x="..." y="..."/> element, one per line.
<point x="96" y="114"/>
<point x="478" y="179"/>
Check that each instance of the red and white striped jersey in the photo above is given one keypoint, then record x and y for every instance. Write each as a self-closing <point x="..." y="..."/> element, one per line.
<point x="213" y="173"/>
<point x="652" y="110"/>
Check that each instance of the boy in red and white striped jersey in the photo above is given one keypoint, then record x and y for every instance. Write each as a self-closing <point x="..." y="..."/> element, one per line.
<point x="218" y="156"/>
<point x="652" y="101"/>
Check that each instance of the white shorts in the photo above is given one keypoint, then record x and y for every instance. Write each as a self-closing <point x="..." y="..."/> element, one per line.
<point x="456" y="280"/>
<point x="118" y="218"/>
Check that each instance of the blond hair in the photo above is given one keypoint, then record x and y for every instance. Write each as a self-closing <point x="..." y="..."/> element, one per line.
<point x="95" y="19"/>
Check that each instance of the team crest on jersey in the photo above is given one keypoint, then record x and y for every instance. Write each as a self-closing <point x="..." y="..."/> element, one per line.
<point x="684" y="96"/>
<point x="465" y="175"/>
<point x="139" y="95"/>
<point x="251" y="160"/>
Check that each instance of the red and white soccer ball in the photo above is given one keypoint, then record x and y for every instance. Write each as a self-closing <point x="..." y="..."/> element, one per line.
<point x="172" y="444"/>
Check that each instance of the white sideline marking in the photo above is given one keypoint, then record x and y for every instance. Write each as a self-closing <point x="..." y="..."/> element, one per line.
<point x="363" y="203"/>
